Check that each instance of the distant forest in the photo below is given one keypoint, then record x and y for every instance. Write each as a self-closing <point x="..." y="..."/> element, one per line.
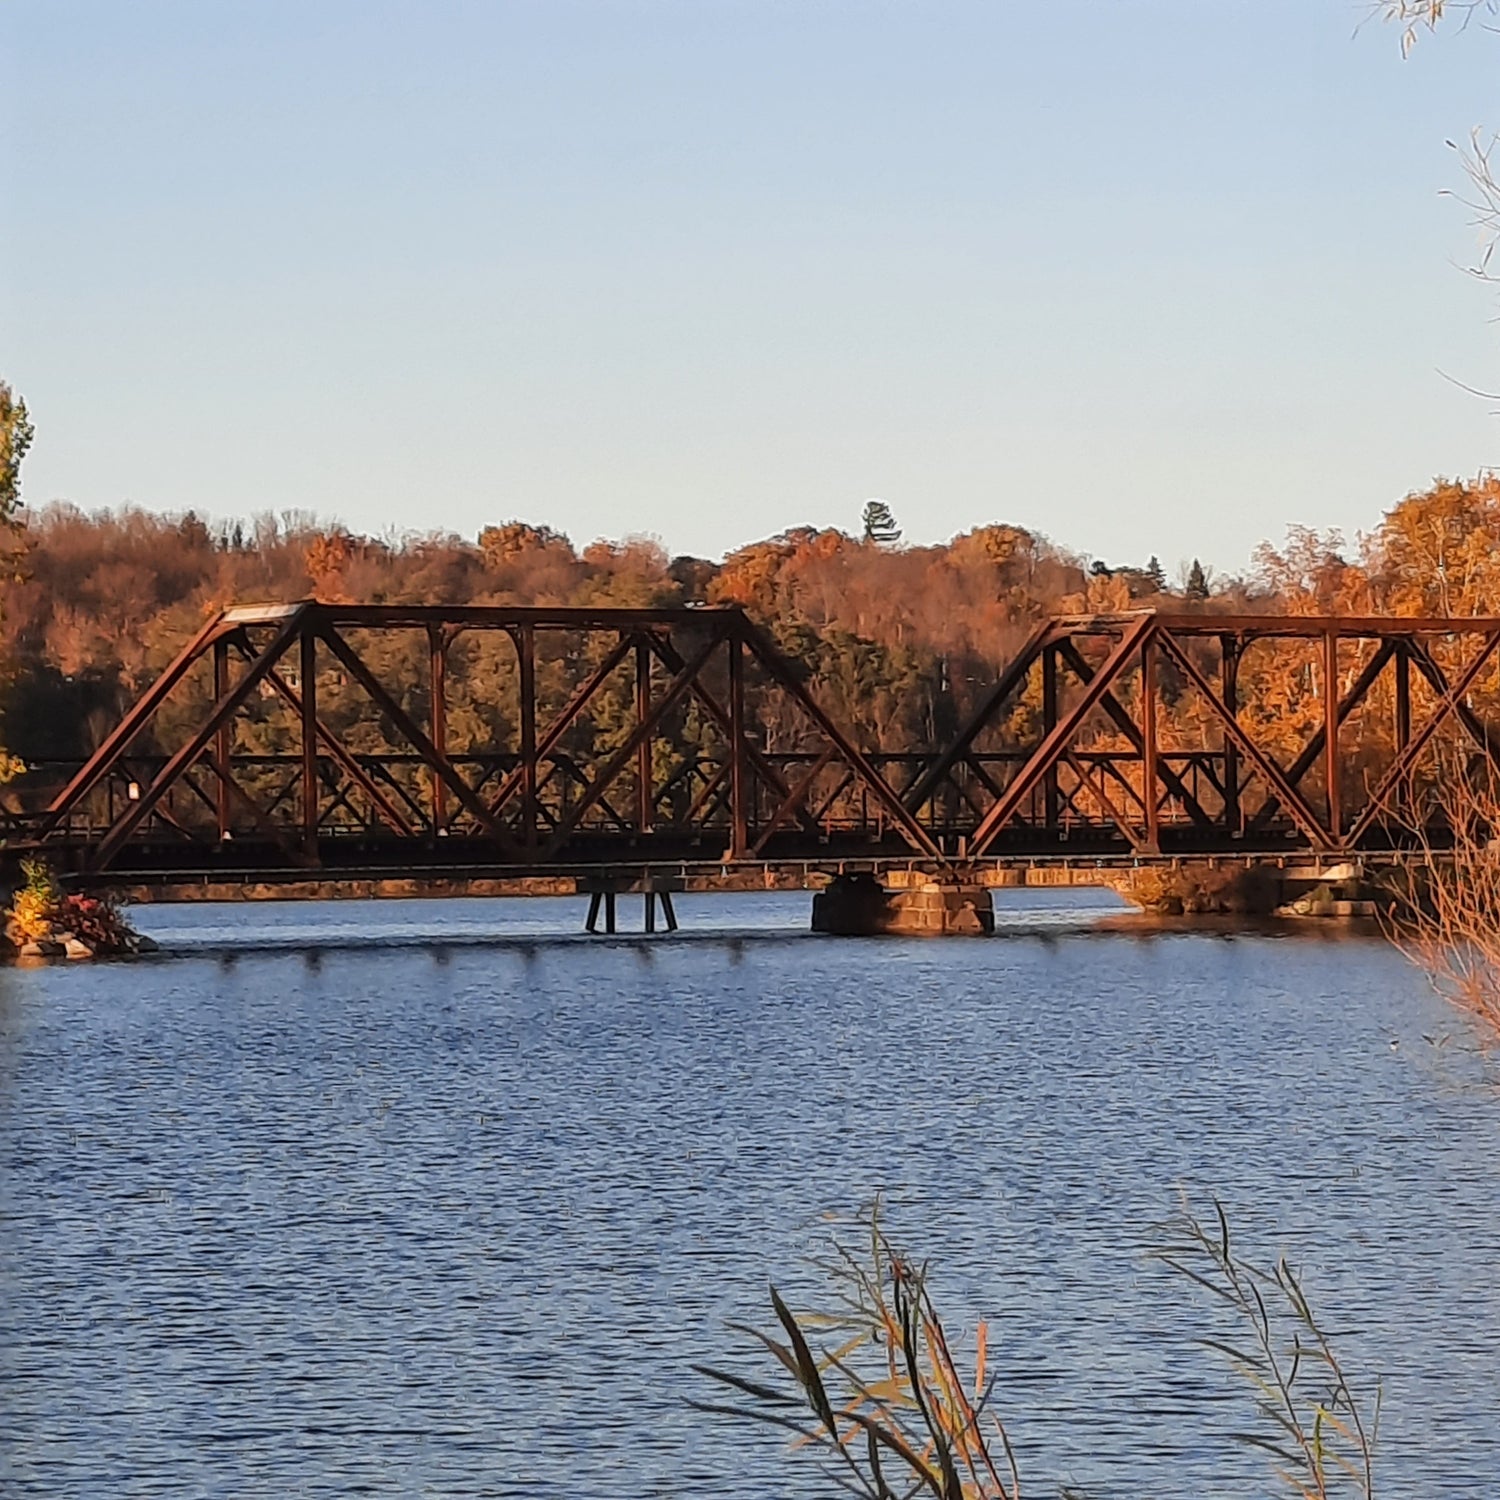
<point x="897" y="641"/>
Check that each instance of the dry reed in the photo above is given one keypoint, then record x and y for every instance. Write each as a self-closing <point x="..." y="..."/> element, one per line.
<point x="1445" y="909"/>
<point x="871" y="1385"/>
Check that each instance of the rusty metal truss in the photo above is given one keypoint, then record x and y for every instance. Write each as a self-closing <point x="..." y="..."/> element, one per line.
<point x="1111" y="771"/>
<point x="612" y="772"/>
<point x="315" y="741"/>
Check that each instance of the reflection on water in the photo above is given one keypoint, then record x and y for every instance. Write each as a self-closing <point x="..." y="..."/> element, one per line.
<point x="445" y="1198"/>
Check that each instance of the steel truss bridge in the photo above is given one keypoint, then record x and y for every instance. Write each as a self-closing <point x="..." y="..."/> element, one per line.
<point x="647" y="744"/>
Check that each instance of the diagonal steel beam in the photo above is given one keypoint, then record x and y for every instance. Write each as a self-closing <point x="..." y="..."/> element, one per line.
<point x="707" y="802"/>
<point x="1010" y="679"/>
<point x="1103" y="799"/>
<point x="1405" y="762"/>
<point x="99" y="763"/>
<point x="984" y="778"/>
<point x="1427" y="665"/>
<point x="258" y="815"/>
<point x="350" y="766"/>
<point x="823" y="809"/>
<point x="1052" y="746"/>
<point x="1291" y="798"/>
<point x="515" y="779"/>
<point x="1110" y="767"/>
<point x="797" y="798"/>
<point x="775" y="664"/>
<point x="1122" y="721"/>
<point x="638" y="735"/>
<point x="196" y="790"/>
<point x="671" y="658"/>
<point x="407" y="727"/>
<point x="1308" y="755"/>
<point x="222" y="711"/>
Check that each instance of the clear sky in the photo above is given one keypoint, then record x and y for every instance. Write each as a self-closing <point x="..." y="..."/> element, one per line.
<point x="1151" y="276"/>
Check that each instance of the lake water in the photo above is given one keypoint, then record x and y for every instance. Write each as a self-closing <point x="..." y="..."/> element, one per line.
<point x="446" y="1199"/>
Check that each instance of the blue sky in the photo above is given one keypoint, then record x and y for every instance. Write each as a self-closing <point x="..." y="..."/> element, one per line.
<point x="1151" y="276"/>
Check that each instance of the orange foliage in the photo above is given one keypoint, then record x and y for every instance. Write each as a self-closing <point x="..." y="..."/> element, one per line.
<point x="900" y="642"/>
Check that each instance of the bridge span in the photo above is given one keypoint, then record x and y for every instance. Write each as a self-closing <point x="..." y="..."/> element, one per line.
<point x="310" y="747"/>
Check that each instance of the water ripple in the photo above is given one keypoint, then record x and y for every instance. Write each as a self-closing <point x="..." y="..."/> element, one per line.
<point x="452" y="1213"/>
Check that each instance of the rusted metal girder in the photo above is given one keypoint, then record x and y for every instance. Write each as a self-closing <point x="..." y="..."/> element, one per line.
<point x="1257" y="798"/>
<point x="285" y="740"/>
<point x="331" y="797"/>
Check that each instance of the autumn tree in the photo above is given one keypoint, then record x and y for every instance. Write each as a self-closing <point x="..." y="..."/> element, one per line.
<point x="327" y="557"/>
<point x="1438" y="552"/>
<point x="507" y="543"/>
<point x="1309" y="574"/>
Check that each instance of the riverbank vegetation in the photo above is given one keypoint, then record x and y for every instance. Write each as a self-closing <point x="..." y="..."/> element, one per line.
<point x="1445" y="909"/>
<point x="45" y="921"/>
<point x="874" y="1384"/>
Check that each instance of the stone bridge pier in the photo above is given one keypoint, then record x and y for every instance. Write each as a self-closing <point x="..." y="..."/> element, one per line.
<point x="858" y="905"/>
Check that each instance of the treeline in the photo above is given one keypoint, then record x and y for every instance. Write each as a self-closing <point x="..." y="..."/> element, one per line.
<point x="898" y="641"/>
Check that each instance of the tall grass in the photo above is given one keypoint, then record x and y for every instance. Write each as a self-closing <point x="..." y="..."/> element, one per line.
<point x="869" y="1382"/>
<point x="1315" y="1430"/>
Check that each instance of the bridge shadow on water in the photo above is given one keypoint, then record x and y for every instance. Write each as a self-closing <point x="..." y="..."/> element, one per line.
<point x="232" y="933"/>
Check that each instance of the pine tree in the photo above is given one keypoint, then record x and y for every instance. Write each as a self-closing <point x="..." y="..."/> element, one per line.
<point x="1155" y="574"/>
<point x="1197" y="583"/>
<point x="15" y="438"/>
<point x="880" y="524"/>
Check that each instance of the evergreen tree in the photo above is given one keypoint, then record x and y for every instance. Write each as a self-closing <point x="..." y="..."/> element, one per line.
<point x="15" y="438"/>
<point x="880" y="524"/>
<point x="1197" y="583"/>
<point x="1155" y="574"/>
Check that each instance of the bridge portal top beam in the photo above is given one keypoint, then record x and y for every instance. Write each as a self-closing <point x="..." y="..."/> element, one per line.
<point x="1308" y="627"/>
<point x="475" y="616"/>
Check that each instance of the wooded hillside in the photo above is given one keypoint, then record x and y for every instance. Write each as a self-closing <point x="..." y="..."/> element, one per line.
<point x="898" y="641"/>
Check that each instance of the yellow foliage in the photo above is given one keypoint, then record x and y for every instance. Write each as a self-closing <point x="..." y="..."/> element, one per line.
<point x="997" y="544"/>
<point x="1438" y="553"/>
<point x="500" y="545"/>
<point x="326" y="559"/>
<point x="30" y="915"/>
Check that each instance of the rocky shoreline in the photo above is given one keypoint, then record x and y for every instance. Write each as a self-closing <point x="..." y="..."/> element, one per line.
<point x="44" y="922"/>
<point x="70" y="945"/>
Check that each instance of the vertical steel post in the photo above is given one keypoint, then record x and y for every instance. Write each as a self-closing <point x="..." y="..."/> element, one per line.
<point x="221" y="740"/>
<point x="1403" y="696"/>
<point x="1150" y="788"/>
<point x="437" y="728"/>
<point x="739" y="820"/>
<point x="309" y="670"/>
<point x="1050" y="799"/>
<point x="643" y="750"/>
<point x="1229" y="686"/>
<point x="1331" y="729"/>
<point x="1403" y="707"/>
<point x="526" y="659"/>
